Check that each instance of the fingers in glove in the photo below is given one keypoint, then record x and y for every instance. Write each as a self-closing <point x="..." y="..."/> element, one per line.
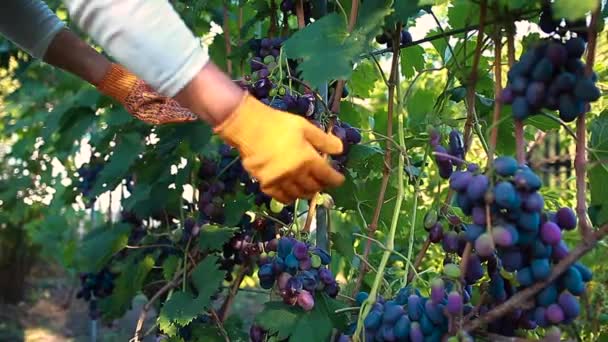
<point x="325" y="174"/>
<point x="309" y="185"/>
<point x="323" y="142"/>
<point x="278" y="194"/>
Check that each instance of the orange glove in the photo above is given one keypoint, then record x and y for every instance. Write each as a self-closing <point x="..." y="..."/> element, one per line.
<point x="140" y="100"/>
<point x="281" y="150"/>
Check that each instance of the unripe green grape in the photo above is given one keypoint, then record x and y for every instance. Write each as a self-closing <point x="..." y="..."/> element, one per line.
<point x="276" y="206"/>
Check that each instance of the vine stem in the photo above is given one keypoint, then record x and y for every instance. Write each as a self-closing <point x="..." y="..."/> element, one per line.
<point x="580" y="161"/>
<point x="226" y="31"/>
<point x="219" y="324"/>
<point x="497" y="92"/>
<point x="144" y="311"/>
<point x="525" y="295"/>
<point x="419" y="258"/>
<point x="390" y="243"/>
<point x="520" y="142"/>
<point x="470" y="98"/>
<point x="471" y="109"/>
<point x="410" y="249"/>
<point x="300" y="14"/>
<point x="386" y="170"/>
<point x="234" y="289"/>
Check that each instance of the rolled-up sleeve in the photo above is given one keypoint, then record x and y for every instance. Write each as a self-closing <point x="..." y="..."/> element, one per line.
<point x="30" y="24"/>
<point x="146" y="36"/>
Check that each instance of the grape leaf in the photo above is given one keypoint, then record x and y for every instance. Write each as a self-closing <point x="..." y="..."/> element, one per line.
<point x="356" y="115"/>
<point x="235" y="208"/>
<point x="543" y="123"/>
<point x="128" y="283"/>
<point x="99" y="245"/>
<point x="118" y="116"/>
<point x="181" y="308"/>
<point x="363" y="80"/>
<point x="463" y="13"/>
<point x="412" y="60"/>
<point x="327" y="51"/>
<point x="419" y="107"/>
<point x="363" y="158"/>
<point x="404" y="10"/>
<point x="126" y="152"/>
<point x="343" y="244"/>
<point x="213" y="237"/>
<point x="505" y="145"/>
<point x="598" y="173"/>
<point x="573" y="9"/>
<point x="299" y="325"/>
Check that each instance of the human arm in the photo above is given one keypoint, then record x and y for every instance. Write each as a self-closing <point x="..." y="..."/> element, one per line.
<point x="147" y="36"/>
<point x="32" y="26"/>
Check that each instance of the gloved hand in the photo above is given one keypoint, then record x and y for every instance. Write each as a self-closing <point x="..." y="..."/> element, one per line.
<point x="140" y="100"/>
<point x="281" y="150"/>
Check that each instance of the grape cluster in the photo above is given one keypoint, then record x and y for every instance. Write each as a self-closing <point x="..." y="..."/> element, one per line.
<point x="299" y="270"/>
<point x="96" y="285"/>
<point x="450" y="158"/>
<point x="410" y="316"/>
<point x="87" y="174"/>
<point x="520" y="237"/>
<point x="385" y="38"/>
<point x="560" y="27"/>
<point x="551" y="76"/>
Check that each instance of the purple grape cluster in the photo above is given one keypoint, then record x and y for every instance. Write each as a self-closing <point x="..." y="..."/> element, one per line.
<point x="385" y="38"/>
<point x="96" y="285"/>
<point x="522" y="238"/>
<point x="224" y="177"/>
<point x="551" y="76"/>
<point x="299" y="270"/>
<point x="410" y="316"/>
<point x="451" y="158"/>
<point x="87" y="175"/>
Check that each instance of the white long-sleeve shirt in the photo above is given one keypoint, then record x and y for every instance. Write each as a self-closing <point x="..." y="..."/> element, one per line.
<point x="146" y="36"/>
<point x="30" y="24"/>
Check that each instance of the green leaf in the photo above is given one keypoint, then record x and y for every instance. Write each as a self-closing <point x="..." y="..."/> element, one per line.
<point x="543" y="122"/>
<point x="181" y="308"/>
<point x="404" y="10"/>
<point x="99" y="245"/>
<point x="598" y="173"/>
<point x="170" y="266"/>
<point x="343" y="244"/>
<point x="299" y="325"/>
<point x="363" y="80"/>
<point x="412" y="60"/>
<point x="327" y="51"/>
<point x="573" y="9"/>
<point x="127" y="285"/>
<point x="235" y="208"/>
<point x="419" y="106"/>
<point x="126" y="152"/>
<point x="213" y="237"/>
<point x="118" y="116"/>
<point x="463" y="13"/>
<point x="355" y="115"/>
<point x="363" y="158"/>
